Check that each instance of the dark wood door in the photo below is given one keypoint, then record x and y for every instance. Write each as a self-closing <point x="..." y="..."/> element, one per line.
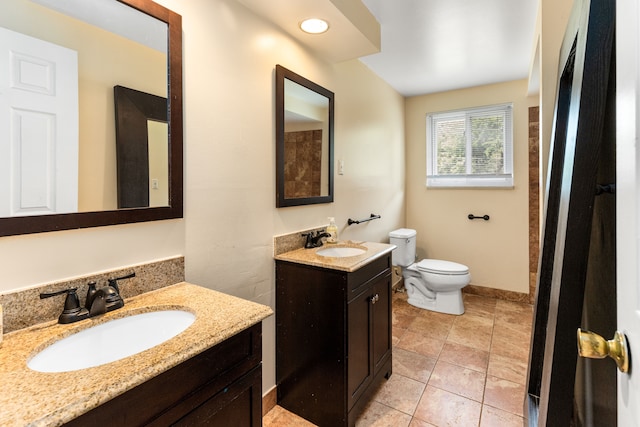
<point x="359" y="363"/>
<point x="582" y="121"/>
<point x="381" y="322"/>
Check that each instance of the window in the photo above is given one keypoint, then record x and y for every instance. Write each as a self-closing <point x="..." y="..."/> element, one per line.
<point x="470" y="148"/>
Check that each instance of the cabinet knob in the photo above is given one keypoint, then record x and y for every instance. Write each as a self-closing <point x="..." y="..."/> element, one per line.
<point x="375" y="298"/>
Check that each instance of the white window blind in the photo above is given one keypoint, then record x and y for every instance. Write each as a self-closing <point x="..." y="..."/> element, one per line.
<point x="470" y="148"/>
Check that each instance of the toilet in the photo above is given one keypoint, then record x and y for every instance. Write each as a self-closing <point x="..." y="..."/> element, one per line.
<point x="431" y="284"/>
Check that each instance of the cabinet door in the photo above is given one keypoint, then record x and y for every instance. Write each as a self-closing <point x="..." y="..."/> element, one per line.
<point x="359" y="366"/>
<point x="381" y="321"/>
<point x="239" y="404"/>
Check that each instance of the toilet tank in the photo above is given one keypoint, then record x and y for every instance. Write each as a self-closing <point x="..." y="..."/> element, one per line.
<point x="405" y="240"/>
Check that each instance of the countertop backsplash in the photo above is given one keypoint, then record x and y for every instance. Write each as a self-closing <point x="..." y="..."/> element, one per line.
<point x="292" y="241"/>
<point x="24" y="308"/>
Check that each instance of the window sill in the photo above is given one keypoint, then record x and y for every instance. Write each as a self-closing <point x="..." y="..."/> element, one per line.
<point x="500" y="183"/>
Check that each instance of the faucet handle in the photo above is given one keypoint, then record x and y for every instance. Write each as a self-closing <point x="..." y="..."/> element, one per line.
<point x="72" y="311"/>
<point x="114" y="282"/>
<point x="310" y="236"/>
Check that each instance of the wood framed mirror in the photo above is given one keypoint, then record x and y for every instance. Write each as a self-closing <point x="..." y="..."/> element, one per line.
<point x="95" y="121"/>
<point x="304" y="140"/>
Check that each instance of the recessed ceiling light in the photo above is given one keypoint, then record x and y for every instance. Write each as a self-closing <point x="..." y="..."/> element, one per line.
<point x="314" y="26"/>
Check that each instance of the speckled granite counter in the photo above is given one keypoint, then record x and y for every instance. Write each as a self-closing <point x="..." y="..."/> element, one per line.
<point x="29" y="398"/>
<point x="351" y="263"/>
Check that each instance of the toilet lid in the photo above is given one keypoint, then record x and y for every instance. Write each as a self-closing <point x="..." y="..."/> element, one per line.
<point x="442" y="267"/>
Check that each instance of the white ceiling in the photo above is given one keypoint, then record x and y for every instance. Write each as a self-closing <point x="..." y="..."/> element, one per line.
<point x="425" y="46"/>
<point x="436" y="45"/>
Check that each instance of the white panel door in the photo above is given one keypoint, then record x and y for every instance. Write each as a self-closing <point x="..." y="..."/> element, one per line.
<point x="38" y="126"/>
<point x="628" y="200"/>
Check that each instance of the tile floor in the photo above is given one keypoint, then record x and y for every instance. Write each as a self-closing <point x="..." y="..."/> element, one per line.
<point x="460" y="371"/>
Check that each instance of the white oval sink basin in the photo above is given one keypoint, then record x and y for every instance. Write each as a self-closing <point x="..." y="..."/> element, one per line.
<point x="340" y="251"/>
<point x="111" y="341"/>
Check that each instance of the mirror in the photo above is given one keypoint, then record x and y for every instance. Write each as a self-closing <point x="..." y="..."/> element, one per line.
<point x="304" y="141"/>
<point x="59" y="175"/>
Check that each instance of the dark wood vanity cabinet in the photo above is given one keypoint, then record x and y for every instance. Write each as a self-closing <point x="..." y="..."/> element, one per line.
<point x="221" y="386"/>
<point x="333" y="338"/>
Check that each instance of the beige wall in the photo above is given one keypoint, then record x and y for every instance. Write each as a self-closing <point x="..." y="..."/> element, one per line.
<point x="496" y="251"/>
<point x="230" y="215"/>
<point x="552" y="19"/>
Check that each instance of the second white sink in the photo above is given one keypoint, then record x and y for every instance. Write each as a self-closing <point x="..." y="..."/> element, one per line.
<point x="340" y="251"/>
<point x="111" y="341"/>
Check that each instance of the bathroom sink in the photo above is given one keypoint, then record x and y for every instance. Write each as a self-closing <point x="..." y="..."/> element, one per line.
<point x="111" y="341"/>
<point x="340" y="251"/>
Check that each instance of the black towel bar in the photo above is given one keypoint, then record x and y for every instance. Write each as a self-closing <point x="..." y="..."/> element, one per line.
<point x="353" y="221"/>
<point x="472" y="216"/>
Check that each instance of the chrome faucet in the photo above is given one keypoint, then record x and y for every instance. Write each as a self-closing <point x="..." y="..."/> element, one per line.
<point x="314" y="238"/>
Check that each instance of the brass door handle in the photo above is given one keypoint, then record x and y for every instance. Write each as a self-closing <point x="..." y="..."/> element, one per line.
<point x="594" y="346"/>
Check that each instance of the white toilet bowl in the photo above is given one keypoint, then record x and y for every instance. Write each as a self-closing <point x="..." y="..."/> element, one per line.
<point x="436" y="285"/>
<point x="431" y="284"/>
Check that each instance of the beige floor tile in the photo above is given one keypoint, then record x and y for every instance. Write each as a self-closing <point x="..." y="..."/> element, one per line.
<point x="401" y="305"/>
<point x="456" y="379"/>
<point x="280" y="417"/>
<point x="412" y="365"/>
<point x="445" y="409"/>
<point x="467" y="357"/>
<point x="507" y="368"/>
<point x="514" y="313"/>
<point x="418" y="343"/>
<point x="475" y="305"/>
<point x="419" y="423"/>
<point x="493" y="417"/>
<point x="505" y="395"/>
<point x="401" y="320"/>
<point x="435" y="325"/>
<point x="510" y="341"/>
<point x="400" y="393"/>
<point x="472" y="331"/>
<point x="378" y="415"/>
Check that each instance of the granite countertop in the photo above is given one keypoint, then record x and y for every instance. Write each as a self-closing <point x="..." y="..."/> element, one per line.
<point x="352" y="263"/>
<point x="30" y="398"/>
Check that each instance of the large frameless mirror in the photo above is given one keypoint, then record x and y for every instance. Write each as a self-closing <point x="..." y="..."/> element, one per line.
<point x="66" y="157"/>
<point x="304" y="141"/>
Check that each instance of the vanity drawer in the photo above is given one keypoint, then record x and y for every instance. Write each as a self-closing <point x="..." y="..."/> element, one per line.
<point x="361" y="277"/>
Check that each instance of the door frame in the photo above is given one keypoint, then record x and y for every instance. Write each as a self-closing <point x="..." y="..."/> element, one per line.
<point x="585" y="61"/>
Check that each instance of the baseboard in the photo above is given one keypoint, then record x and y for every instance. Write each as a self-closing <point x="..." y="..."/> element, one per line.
<point x="269" y="400"/>
<point x="496" y="293"/>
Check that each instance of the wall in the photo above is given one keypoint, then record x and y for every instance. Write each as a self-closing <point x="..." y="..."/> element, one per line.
<point x="230" y="215"/>
<point x="496" y="251"/>
<point x="552" y="19"/>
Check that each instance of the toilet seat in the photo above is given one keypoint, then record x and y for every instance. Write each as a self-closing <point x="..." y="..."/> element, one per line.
<point x="436" y="266"/>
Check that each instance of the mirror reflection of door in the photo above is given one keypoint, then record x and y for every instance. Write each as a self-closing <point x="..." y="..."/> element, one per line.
<point x="38" y="126"/>
<point x="142" y="151"/>
<point x="306" y="142"/>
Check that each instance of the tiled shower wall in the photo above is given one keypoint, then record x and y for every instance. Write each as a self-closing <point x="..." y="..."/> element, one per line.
<point x="534" y="198"/>
<point x="302" y="170"/>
